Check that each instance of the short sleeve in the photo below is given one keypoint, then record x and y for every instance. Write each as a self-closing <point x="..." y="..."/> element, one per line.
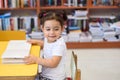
<point x="58" y="50"/>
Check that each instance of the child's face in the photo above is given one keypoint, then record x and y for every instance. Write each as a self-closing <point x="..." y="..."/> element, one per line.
<point x="52" y="30"/>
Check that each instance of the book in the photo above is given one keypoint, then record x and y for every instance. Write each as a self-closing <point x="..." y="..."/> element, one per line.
<point x="103" y="2"/>
<point x="85" y="37"/>
<point x="16" y="51"/>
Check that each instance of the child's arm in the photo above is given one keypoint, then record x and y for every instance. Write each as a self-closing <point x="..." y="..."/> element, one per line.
<point x="38" y="42"/>
<point x="53" y="62"/>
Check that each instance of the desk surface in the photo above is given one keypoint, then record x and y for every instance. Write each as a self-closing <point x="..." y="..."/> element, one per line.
<point x="18" y="69"/>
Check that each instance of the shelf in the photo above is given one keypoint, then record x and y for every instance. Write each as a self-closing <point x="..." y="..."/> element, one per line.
<point x="103" y="7"/>
<point x="27" y="8"/>
<point x="83" y="45"/>
<point x="61" y="7"/>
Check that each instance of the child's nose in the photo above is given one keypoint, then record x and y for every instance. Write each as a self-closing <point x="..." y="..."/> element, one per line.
<point x="52" y="31"/>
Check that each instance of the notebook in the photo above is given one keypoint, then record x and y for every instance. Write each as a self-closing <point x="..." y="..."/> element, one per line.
<point x="15" y="51"/>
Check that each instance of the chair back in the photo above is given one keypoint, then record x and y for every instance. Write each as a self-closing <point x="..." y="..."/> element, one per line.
<point x="73" y="66"/>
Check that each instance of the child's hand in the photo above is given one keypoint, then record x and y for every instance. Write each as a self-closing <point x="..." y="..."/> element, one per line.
<point x="32" y="41"/>
<point x="36" y="42"/>
<point x="30" y="59"/>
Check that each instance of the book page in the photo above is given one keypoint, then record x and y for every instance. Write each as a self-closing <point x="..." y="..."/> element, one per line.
<point x="17" y="49"/>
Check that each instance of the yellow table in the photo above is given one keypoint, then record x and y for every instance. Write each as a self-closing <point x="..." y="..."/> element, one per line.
<point x="18" y="71"/>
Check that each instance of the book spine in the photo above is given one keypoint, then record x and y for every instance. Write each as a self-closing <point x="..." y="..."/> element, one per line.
<point x="3" y="24"/>
<point x="75" y="3"/>
<point x="0" y="24"/>
<point x="11" y="24"/>
<point x="49" y="2"/>
<point x="15" y="23"/>
<point x="59" y="2"/>
<point x="55" y="3"/>
<point x="13" y="3"/>
<point x="18" y="21"/>
<point x="1" y="3"/>
<point x="5" y="3"/>
<point x="32" y="24"/>
<point x="69" y="3"/>
<point x="22" y="3"/>
<point x="7" y="23"/>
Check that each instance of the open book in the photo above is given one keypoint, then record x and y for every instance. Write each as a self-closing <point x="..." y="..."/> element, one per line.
<point x="15" y="52"/>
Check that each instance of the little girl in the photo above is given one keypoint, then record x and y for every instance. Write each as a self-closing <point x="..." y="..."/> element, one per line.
<point x="54" y="47"/>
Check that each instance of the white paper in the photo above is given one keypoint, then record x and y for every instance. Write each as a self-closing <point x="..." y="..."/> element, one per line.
<point x="16" y="49"/>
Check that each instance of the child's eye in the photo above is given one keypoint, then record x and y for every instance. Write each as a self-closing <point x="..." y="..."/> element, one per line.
<point x="48" y="29"/>
<point x="56" y="29"/>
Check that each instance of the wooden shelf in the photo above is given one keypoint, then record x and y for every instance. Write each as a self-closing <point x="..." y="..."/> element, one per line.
<point x="27" y="8"/>
<point x="103" y="7"/>
<point x="61" y="7"/>
<point x="79" y="45"/>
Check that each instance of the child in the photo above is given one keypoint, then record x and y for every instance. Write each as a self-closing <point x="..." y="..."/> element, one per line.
<point x="54" y="47"/>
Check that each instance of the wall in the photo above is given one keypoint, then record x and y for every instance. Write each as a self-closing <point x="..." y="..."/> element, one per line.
<point x="97" y="64"/>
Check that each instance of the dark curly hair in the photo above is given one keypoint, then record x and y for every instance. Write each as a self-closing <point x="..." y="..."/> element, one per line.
<point x="50" y="15"/>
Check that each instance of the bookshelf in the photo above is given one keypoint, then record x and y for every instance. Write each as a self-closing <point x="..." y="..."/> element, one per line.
<point x="36" y="8"/>
<point x="91" y="45"/>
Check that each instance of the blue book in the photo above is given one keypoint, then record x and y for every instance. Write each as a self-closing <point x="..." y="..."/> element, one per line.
<point x="74" y="28"/>
<point x="49" y="2"/>
<point x="3" y="24"/>
<point x="6" y="15"/>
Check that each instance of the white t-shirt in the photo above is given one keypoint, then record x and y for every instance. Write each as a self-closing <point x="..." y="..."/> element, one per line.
<point x="57" y="48"/>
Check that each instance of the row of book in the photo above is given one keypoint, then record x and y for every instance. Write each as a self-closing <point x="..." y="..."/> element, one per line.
<point x="75" y="3"/>
<point x="33" y="3"/>
<point x="78" y="2"/>
<point x="17" y="3"/>
<point x="50" y="2"/>
<point x="106" y="2"/>
<point x="98" y="32"/>
<point x="27" y="23"/>
<point x="77" y="24"/>
<point x="77" y="20"/>
<point x="66" y="2"/>
<point x="100" y="29"/>
<point x="104" y="31"/>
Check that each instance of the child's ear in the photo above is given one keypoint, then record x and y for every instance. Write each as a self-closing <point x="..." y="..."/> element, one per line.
<point x="63" y="28"/>
<point x="42" y="28"/>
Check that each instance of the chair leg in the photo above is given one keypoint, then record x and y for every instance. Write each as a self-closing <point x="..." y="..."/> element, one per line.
<point x="78" y="74"/>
